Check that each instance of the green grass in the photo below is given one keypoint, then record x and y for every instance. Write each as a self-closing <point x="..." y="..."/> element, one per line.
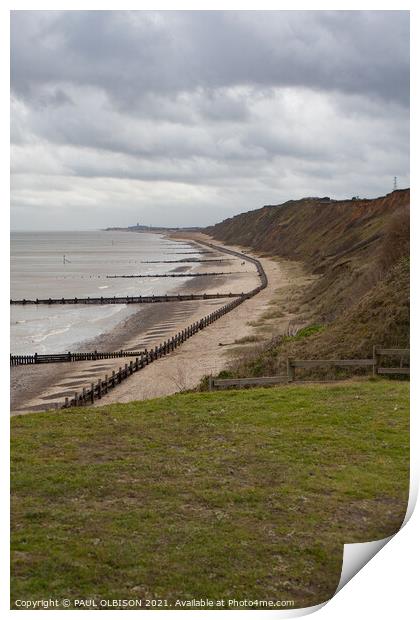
<point x="239" y="494"/>
<point x="309" y="330"/>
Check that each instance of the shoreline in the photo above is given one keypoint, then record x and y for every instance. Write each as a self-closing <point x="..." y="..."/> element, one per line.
<point x="30" y="383"/>
<point x="39" y="388"/>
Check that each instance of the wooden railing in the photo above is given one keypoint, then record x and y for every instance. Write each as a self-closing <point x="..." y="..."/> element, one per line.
<point x="292" y="364"/>
<point x="375" y="363"/>
<point x="215" y="384"/>
<point x="379" y="353"/>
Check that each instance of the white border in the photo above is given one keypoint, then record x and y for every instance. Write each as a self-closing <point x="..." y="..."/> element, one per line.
<point x="387" y="586"/>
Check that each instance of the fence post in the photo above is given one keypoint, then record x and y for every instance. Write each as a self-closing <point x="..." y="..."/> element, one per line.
<point x="66" y="402"/>
<point x="211" y="383"/>
<point x="92" y="393"/>
<point x="99" y="388"/>
<point x="290" y="370"/>
<point x="375" y="361"/>
<point x="106" y="384"/>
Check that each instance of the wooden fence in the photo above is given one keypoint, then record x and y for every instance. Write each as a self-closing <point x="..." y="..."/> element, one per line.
<point x="215" y="384"/>
<point x="23" y="360"/>
<point x="375" y="364"/>
<point x="379" y="353"/>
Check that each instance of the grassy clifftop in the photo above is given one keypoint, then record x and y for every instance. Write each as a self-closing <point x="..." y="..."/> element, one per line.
<point x="232" y="495"/>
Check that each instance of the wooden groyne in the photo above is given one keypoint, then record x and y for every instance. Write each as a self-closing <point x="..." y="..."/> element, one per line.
<point x="54" y="358"/>
<point x="184" y="260"/>
<point x="173" y="275"/>
<point x="261" y="273"/>
<point x="97" y="390"/>
<point x="102" y="386"/>
<point x="139" y="299"/>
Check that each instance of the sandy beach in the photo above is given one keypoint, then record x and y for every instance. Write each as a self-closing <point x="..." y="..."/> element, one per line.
<point x="36" y="388"/>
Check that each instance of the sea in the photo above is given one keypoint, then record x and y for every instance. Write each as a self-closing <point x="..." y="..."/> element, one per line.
<point x="76" y="264"/>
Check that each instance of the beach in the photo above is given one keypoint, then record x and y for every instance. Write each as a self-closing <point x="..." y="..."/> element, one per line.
<point x="39" y="387"/>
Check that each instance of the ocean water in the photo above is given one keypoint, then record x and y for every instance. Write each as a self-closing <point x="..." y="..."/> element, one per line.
<point x="39" y="269"/>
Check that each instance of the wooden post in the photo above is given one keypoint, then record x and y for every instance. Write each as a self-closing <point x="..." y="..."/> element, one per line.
<point x="106" y="384"/>
<point x="99" y="388"/>
<point x="113" y="378"/>
<point x="290" y="370"/>
<point x="66" y="402"/>
<point x="211" y="385"/>
<point x="375" y="361"/>
<point x="92" y="393"/>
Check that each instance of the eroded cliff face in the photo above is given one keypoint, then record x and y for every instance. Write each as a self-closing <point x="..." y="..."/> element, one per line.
<point x="343" y="241"/>
<point x="312" y="229"/>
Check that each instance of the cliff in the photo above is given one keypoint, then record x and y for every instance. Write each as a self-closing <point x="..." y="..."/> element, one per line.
<point x="360" y="251"/>
<point x="343" y="241"/>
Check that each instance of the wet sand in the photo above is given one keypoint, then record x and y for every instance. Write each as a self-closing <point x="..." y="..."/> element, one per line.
<point x="36" y="388"/>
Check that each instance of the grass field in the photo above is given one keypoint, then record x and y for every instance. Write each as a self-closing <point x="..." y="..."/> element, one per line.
<point x="228" y="495"/>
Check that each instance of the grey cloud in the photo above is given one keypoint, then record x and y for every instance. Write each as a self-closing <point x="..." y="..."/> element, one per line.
<point x="129" y="53"/>
<point x="202" y="114"/>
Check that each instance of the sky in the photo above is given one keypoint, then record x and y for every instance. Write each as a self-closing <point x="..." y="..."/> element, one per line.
<point x="179" y="118"/>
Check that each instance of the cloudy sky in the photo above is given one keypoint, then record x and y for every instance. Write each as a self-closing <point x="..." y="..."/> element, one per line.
<point x="185" y="118"/>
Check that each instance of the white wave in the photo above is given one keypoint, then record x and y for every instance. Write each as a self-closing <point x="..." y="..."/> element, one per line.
<point x="37" y="338"/>
<point x="108" y="313"/>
